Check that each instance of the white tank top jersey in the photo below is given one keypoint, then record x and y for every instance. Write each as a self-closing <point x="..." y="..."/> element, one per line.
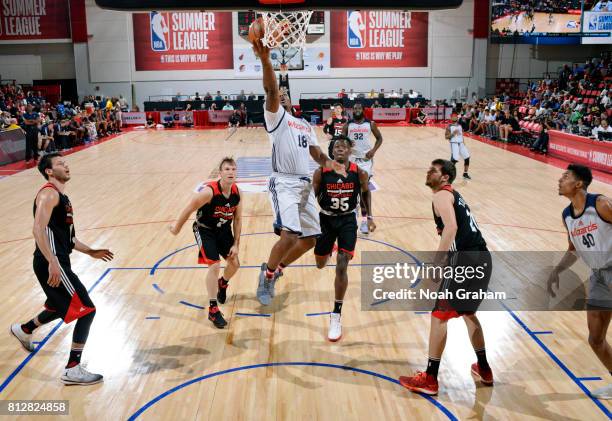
<point x="590" y="234"/>
<point x="291" y="139"/>
<point x="360" y="134"/>
<point x="459" y="137"/>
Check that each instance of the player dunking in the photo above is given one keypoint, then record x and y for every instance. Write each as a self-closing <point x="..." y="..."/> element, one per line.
<point x="359" y="130"/>
<point x="337" y="195"/>
<point x="454" y="134"/>
<point x="218" y="209"/>
<point x="588" y="221"/>
<point x="296" y="219"/>
<point x="333" y="127"/>
<point x="462" y="245"/>
<point x="67" y="297"/>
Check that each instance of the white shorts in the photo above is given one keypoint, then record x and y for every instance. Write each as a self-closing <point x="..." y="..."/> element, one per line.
<point x="294" y="206"/>
<point x="458" y="151"/>
<point x="365" y="164"/>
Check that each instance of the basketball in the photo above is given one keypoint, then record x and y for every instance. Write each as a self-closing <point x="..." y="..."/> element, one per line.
<point x="256" y="30"/>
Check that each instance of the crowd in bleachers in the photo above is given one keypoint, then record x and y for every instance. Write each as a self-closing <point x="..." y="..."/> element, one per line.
<point x="62" y="126"/>
<point x="579" y="101"/>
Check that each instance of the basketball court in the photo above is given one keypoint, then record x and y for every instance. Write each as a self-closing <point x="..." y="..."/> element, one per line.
<point x="162" y="359"/>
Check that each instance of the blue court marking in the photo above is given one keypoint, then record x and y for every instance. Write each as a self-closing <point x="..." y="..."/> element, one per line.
<point x="376" y="303"/>
<point x="185" y="303"/>
<point x="588" y="379"/>
<point x="401" y="250"/>
<point x="42" y="343"/>
<point x="422" y="312"/>
<point x="317" y="314"/>
<point x="177" y="388"/>
<point x="161" y="291"/>
<point x="542" y="332"/>
<point x="160" y="261"/>
<point x="253" y="314"/>
<point x="36" y="342"/>
<point x="152" y="318"/>
<point x="556" y="359"/>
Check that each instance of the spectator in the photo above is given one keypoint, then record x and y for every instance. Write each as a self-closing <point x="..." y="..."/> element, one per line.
<point x="213" y="107"/>
<point x="234" y="120"/>
<point x="413" y="94"/>
<point x="31" y="121"/>
<point x="208" y="97"/>
<point x="602" y="128"/>
<point x="352" y="95"/>
<point x="376" y="104"/>
<point x="150" y="122"/>
<point x="395" y="105"/>
<point x="241" y="96"/>
<point x="228" y="106"/>
<point x="393" y="94"/>
<point x="218" y="96"/>
<point x="168" y="120"/>
<point x="420" y="117"/>
<point x="342" y="93"/>
<point x="372" y="94"/>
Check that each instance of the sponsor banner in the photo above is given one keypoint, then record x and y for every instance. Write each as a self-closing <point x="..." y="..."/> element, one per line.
<point x="221" y="116"/>
<point x="179" y="117"/>
<point x="388" y="114"/>
<point x="438" y="113"/>
<point x="131" y="118"/>
<point x="34" y="20"/>
<point x="312" y="60"/>
<point x="182" y="40"/>
<point x="597" y="22"/>
<point x="582" y="150"/>
<point x="378" y="38"/>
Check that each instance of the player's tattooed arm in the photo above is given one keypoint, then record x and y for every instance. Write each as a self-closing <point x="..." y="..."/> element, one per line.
<point x="379" y="140"/>
<point x="323" y="160"/>
<point x="46" y="200"/>
<point x="269" y="77"/>
<point x="568" y="259"/>
<point x="316" y="182"/>
<point x="443" y="206"/>
<point x="197" y="201"/>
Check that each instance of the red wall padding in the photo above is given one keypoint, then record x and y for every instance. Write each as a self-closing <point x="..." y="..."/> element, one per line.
<point x="78" y="20"/>
<point x="481" y="18"/>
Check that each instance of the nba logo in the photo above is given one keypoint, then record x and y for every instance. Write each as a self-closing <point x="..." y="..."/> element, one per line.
<point x="355" y="28"/>
<point x="159" y="32"/>
<point x="593" y="23"/>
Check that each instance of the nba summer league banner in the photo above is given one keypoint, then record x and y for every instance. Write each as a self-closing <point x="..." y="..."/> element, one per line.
<point x="34" y="19"/>
<point x="378" y="38"/>
<point x="183" y="40"/>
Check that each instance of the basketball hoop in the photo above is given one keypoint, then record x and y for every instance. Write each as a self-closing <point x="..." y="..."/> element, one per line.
<point x="285" y="29"/>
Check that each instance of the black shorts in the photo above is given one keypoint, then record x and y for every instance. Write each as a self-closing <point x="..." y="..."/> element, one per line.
<point x="70" y="299"/>
<point x="212" y="244"/>
<point x="343" y="228"/>
<point x="476" y="263"/>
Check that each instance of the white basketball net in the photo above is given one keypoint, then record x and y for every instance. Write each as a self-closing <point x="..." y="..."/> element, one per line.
<point x="285" y="30"/>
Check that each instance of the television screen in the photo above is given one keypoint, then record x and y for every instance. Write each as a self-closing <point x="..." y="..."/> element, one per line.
<point x="536" y="21"/>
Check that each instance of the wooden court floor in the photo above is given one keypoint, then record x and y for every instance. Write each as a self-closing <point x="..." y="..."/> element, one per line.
<point x="162" y="359"/>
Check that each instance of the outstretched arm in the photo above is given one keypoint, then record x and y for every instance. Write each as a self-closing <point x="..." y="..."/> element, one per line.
<point x="269" y="77"/>
<point x="323" y="160"/>
<point x="197" y="201"/>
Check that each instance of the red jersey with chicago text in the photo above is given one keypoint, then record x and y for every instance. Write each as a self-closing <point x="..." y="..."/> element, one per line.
<point x="219" y="212"/>
<point x="339" y="195"/>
